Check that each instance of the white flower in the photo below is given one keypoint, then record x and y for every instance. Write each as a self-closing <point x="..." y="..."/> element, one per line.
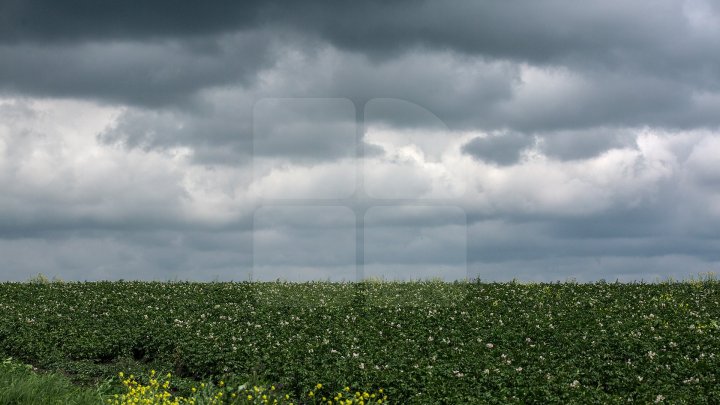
<point x="489" y="345"/>
<point x="659" y="399"/>
<point x="575" y="384"/>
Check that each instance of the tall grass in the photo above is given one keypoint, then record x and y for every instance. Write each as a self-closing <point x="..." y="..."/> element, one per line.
<point x="19" y="384"/>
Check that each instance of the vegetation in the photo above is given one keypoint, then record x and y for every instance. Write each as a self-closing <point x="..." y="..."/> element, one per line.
<point x="420" y="342"/>
<point x="158" y="391"/>
<point x="19" y="384"/>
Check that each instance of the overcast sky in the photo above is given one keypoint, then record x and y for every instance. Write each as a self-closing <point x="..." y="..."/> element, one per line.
<point x="329" y="140"/>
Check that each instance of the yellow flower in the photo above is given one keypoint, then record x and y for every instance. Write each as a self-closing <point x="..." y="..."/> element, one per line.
<point x="318" y="386"/>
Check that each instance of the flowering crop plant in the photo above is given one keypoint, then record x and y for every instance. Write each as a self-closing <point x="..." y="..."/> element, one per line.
<point x="373" y="342"/>
<point x="160" y="393"/>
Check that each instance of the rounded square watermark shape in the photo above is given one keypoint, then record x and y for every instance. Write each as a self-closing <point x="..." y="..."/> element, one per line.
<point x="304" y="148"/>
<point x="298" y="244"/>
<point x="425" y="244"/>
<point x="410" y="153"/>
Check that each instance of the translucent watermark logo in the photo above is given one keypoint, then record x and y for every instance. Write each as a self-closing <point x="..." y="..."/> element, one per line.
<point x="356" y="191"/>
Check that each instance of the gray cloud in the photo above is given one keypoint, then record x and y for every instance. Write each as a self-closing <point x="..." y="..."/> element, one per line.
<point x="674" y="42"/>
<point x="132" y="131"/>
<point x="218" y="133"/>
<point x="589" y="269"/>
<point x="302" y="129"/>
<point x="503" y="149"/>
<point x="154" y="73"/>
<point x="47" y="21"/>
<point x="585" y="143"/>
<point x="134" y="255"/>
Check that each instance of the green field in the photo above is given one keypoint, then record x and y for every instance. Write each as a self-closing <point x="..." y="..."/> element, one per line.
<point x="421" y="342"/>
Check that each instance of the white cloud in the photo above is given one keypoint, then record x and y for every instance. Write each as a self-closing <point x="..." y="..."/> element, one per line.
<point x="54" y="169"/>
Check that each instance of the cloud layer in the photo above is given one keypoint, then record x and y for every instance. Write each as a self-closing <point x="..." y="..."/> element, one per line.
<point x="280" y="140"/>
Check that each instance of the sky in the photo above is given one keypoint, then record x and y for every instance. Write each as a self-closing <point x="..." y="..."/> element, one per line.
<point x="333" y="140"/>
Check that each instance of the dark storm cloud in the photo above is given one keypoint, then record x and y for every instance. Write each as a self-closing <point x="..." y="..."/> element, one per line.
<point x="611" y="35"/>
<point x="231" y="130"/>
<point x="219" y="134"/>
<point x="503" y="149"/>
<point x="151" y="73"/>
<point x="670" y="40"/>
<point x="613" y="31"/>
<point x="80" y="20"/>
<point x="625" y="66"/>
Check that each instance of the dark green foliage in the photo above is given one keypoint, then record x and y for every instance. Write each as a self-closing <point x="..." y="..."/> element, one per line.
<point x="423" y="342"/>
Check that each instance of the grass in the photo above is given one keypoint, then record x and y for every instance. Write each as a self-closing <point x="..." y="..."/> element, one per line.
<point x="20" y="384"/>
